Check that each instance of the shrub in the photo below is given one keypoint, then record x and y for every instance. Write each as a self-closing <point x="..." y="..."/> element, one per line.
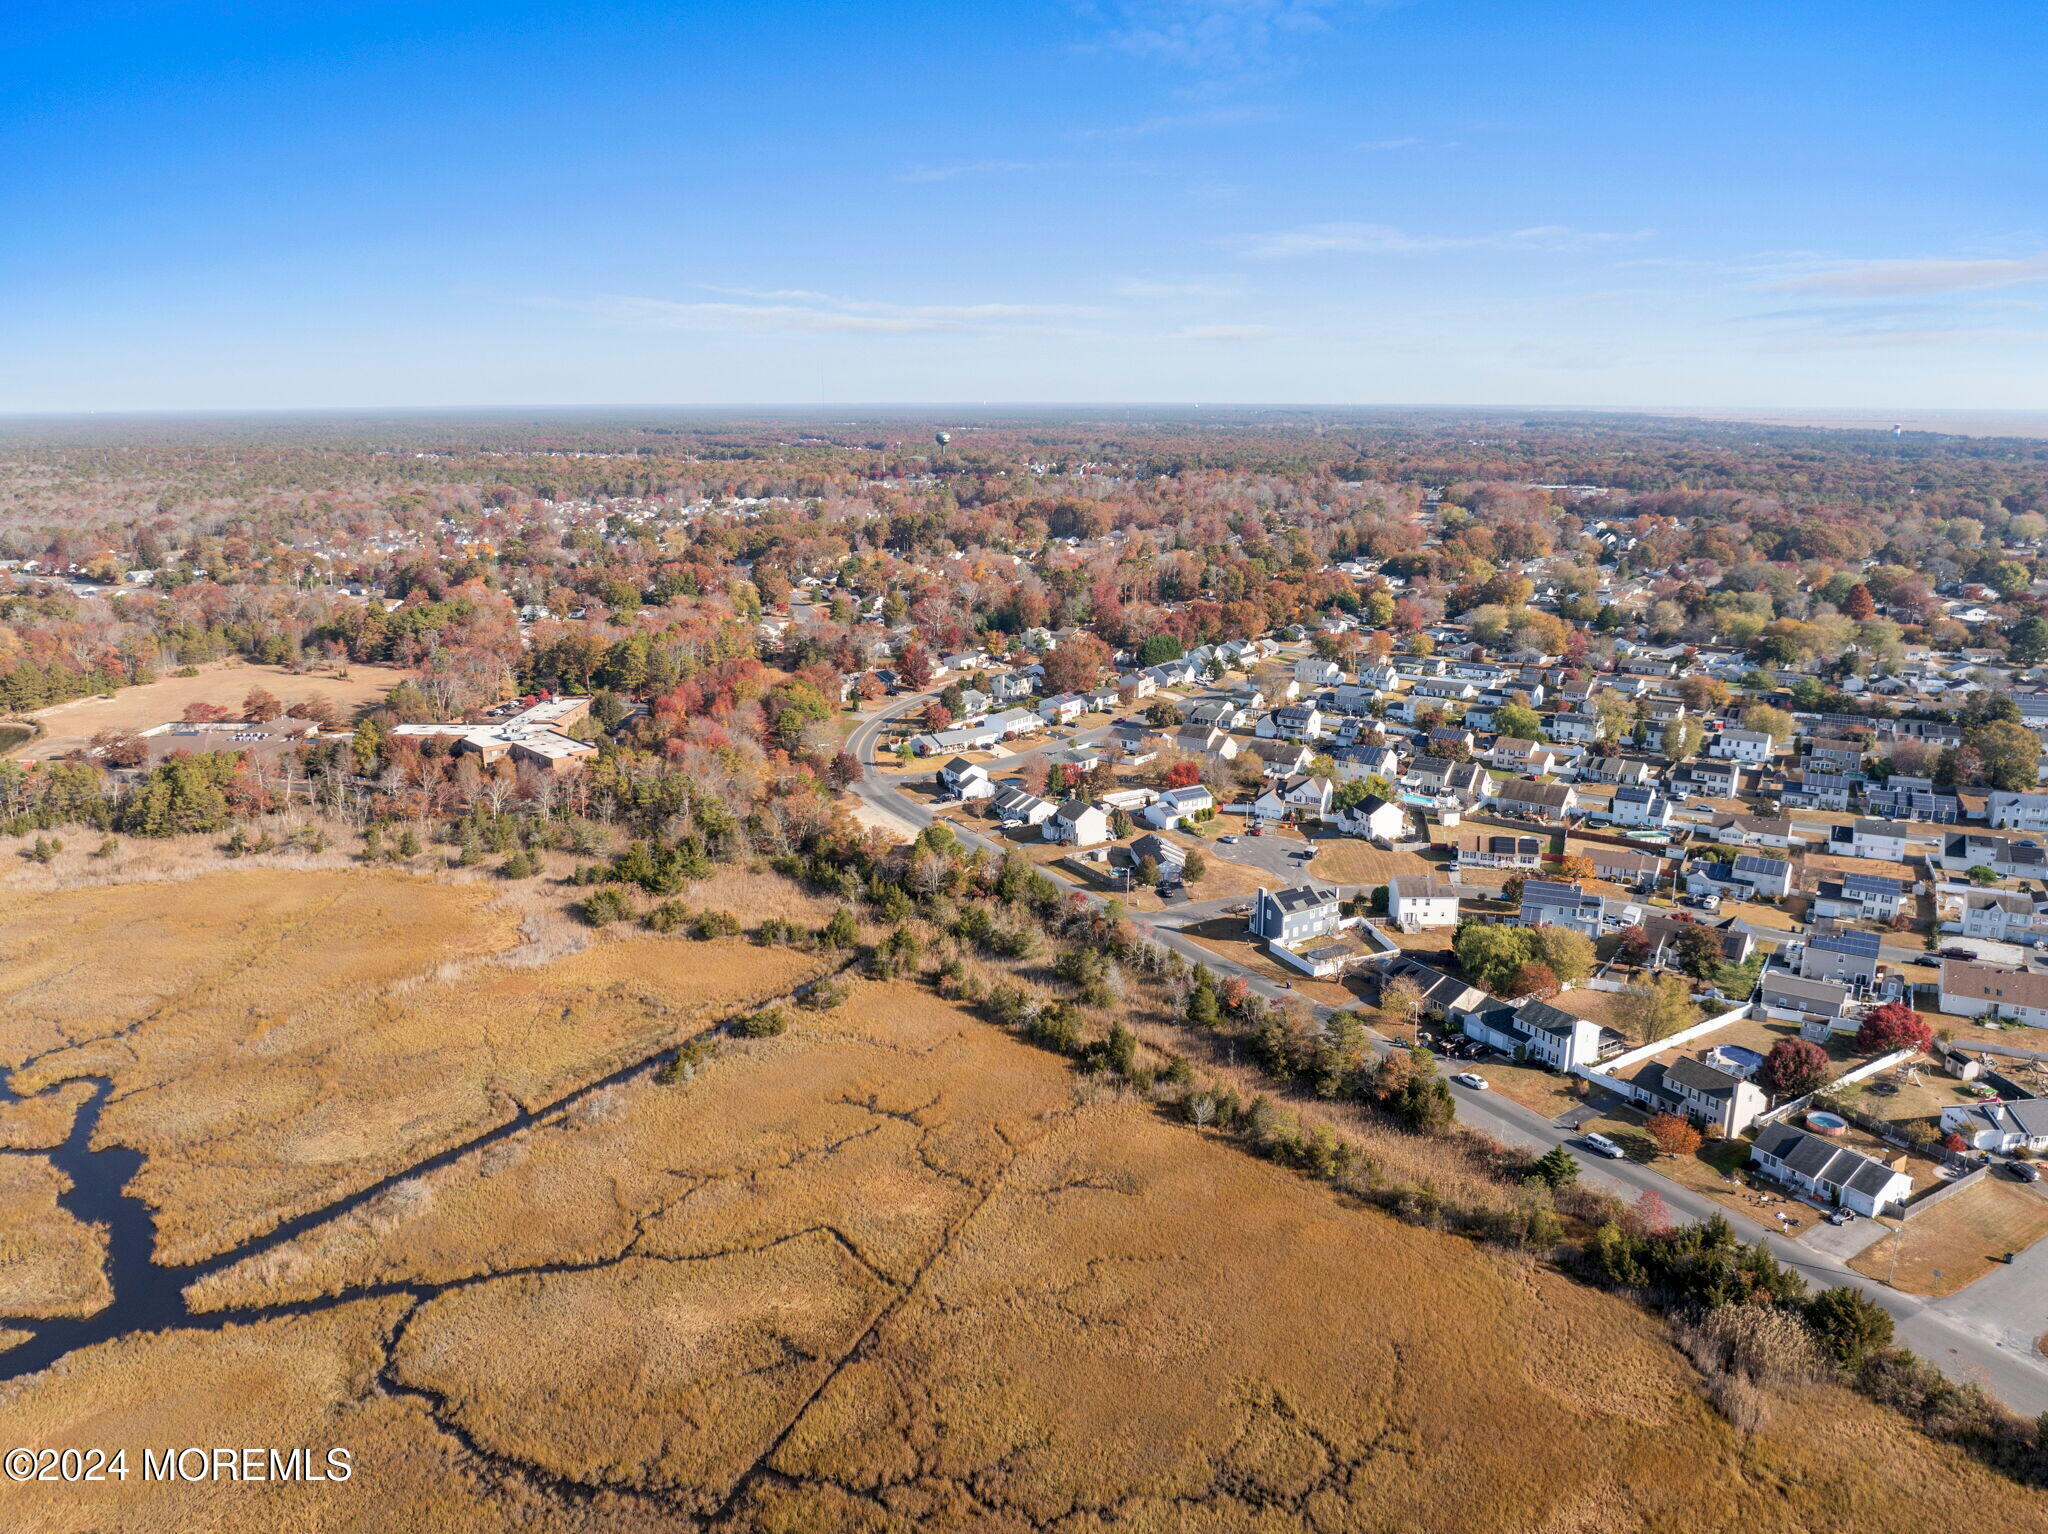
<point x="765" y="1024"/>
<point x="1848" y="1324"/>
<point x="823" y="996"/>
<point x="605" y="906"/>
<point x="1672" y="1135"/>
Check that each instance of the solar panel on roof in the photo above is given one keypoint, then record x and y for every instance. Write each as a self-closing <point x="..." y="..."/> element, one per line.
<point x="1858" y="945"/>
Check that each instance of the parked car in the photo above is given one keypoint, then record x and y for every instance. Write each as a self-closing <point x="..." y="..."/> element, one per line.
<point x="1606" y="1147"/>
<point x="1841" y="1217"/>
<point x="1226" y="840"/>
<point x="1956" y="953"/>
<point x="2025" y="1171"/>
<point x="1471" y="1079"/>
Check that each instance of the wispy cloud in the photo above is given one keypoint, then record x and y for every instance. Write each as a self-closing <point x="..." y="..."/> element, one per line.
<point x="1210" y="36"/>
<point x="1382" y="145"/>
<point x="800" y="310"/>
<point x="1199" y="287"/>
<point x="1878" y="279"/>
<point x="1385" y="240"/>
<point x="1175" y="122"/>
<point x="953" y="170"/>
<point x="1224" y="332"/>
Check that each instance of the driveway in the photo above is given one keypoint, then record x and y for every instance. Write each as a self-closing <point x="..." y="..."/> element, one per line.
<point x="1842" y="1242"/>
<point x="1269" y="854"/>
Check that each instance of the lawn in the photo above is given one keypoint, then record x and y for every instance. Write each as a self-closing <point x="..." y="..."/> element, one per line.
<point x="1960" y="1239"/>
<point x="1347" y="860"/>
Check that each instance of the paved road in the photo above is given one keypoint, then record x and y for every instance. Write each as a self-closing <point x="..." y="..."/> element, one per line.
<point x="1983" y="1334"/>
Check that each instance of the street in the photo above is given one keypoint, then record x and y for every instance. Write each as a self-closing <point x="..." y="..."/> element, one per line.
<point x="1983" y="1334"/>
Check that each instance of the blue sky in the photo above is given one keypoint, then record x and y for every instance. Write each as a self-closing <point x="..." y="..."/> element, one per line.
<point x="415" y="202"/>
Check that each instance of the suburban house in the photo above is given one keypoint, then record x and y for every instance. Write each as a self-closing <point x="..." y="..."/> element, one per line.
<point x="1871" y="896"/>
<point x="1696" y="1089"/>
<point x="1135" y="742"/>
<point x="2001" y="916"/>
<point x="1511" y="754"/>
<point x="1850" y="957"/>
<point x="2019" y="811"/>
<point x="1169" y="857"/>
<point x="1569" y="724"/>
<point x="1762" y="875"/>
<point x="1205" y="740"/>
<point x="1536" y="801"/>
<point x="1538" y="1031"/>
<point x="1178" y="807"/>
<point x="1748" y="746"/>
<point x="1546" y="903"/>
<point x="1295" y="721"/>
<point x="1015" y="806"/>
<point x="1297" y="912"/>
<point x="1619" y="864"/>
<point x="1831" y="1171"/>
<point x="2000" y="1126"/>
<point x="1638" y="806"/>
<point x="1983" y="990"/>
<point x="963" y="779"/>
<point x="1280" y="758"/>
<point x="1064" y="709"/>
<point x="1443" y="996"/>
<point x="1789" y="998"/>
<point x="1374" y="818"/>
<point x="1304" y="798"/>
<point x="1499" y="849"/>
<point x="2007" y="857"/>
<point x="1886" y="841"/>
<point x="1418" y="901"/>
<point x="1077" y="823"/>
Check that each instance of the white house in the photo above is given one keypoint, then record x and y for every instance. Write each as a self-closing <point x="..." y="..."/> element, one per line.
<point x="1306" y="798"/>
<point x="1077" y="823"/>
<point x="2019" y="812"/>
<point x="1417" y="901"/>
<point x="1742" y="746"/>
<point x="1983" y="990"/>
<point x="1633" y="806"/>
<point x="1016" y="807"/>
<point x="2000" y="1126"/>
<point x="965" y="780"/>
<point x="1537" y="1030"/>
<point x="1178" y="807"/>
<point x="1314" y="673"/>
<point x="1374" y="818"/>
<point x="1831" y="1171"/>
<point x="1296" y="721"/>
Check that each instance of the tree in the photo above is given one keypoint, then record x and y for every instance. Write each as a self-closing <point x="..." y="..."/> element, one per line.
<point x="1672" y="1135"/>
<point x="1566" y="954"/>
<point x="1656" y="1006"/>
<point x="1533" y="979"/>
<point x="1576" y="868"/>
<point x="1649" y="1213"/>
<point x="2008" y="752"/>
<point x="1698" y="948"/>
<point x="1848" y="1324"/>
<point x="1765" y="720"/>
<point x="1157" y="649"/>
<point x="1076" y="665"/>
<point x="1858" y="604"/>
<point x="1491" y="954"/>
<point x="1182" y="775"/>
<point x="1633" y="947"/>
<point x="1423" y="1100"/>
<point x="1979" y="874"/>
<point x="914" y="665"/>
<point x="1195" y="869"/>
<point x="1401" y="999"/>
<point x="1893" y="1026"/>
<point x="1793" y="1068"/>
<point x="261" y="705"/>
<point x="1681" y="739"/>
<point x="2027" y="641"/>
<point x="1518" y="721"/>
<point x="1558" y="1167"/>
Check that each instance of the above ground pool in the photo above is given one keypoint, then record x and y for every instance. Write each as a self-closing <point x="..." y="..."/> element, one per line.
<point x="1826" y="1123"/>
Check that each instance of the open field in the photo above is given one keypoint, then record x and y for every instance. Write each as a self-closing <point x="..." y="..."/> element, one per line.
<point x="49" y="1259"/>
<point x="894" y="1270"/>
<point x="70" y="726"/>
<point x="278" y="1039"/>
<point x="1347" y="860"/>
<point x="1960" y="1239"/>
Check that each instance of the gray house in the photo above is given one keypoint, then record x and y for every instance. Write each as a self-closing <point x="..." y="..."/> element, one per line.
<point x="1295" y="913"/>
